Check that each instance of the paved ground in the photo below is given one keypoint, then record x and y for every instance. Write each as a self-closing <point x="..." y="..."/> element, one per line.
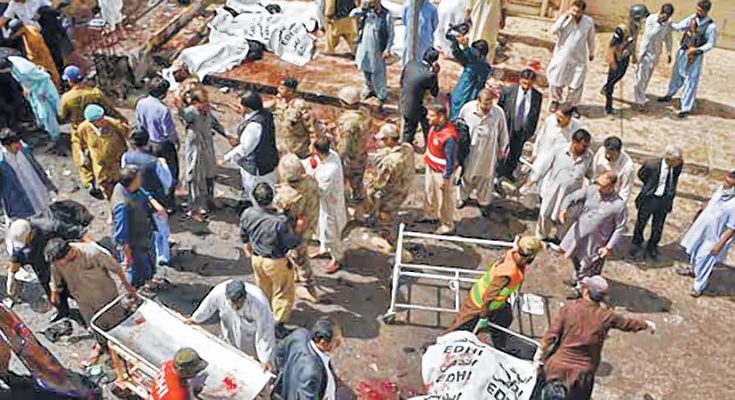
<point x="689" y="358"/>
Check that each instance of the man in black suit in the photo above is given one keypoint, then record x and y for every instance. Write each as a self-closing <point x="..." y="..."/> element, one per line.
<point x="660" y="176"/>
<point x="304" y="368"/>
<point x="522" y="106"/>
<point x="417" y="78"/>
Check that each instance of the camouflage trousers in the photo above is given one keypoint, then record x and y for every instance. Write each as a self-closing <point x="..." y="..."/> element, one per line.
<point x="354" y="172"/>
<point x="299" y="259"/>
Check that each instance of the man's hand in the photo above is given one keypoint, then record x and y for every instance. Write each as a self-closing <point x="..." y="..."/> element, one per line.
<point x="604" y="252"/>
<point x="651" y="326"/>
<point x="220" y="162"/>
<point x="463" y="40"/>
<point x="563" y="216"/>
<point x="54" y="299"/>
<point x="386" y="54"/>
<point x="436" y="68"/>
<point x="300" y="224"/>
<point x="669" y="59"/>
<point x="716" y="249"/>
<point x="267" y="367"/>
<point x="189" y="321"/>
<point x="248" y="249"/>
<point x="692" y="52"/>
<point x="234" y="140"/>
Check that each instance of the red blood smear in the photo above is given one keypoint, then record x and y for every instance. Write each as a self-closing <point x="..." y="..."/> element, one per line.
<point x="139" y="320"/>
<point x="229" y="383"/>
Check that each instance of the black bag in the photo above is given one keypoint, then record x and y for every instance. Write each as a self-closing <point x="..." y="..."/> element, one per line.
<point x="464" y="142"/>
<point x="255" y="51"/>
<point x="71" y="212"/>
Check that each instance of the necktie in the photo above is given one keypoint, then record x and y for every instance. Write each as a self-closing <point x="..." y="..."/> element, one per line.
<point x="669" y="182"/>
<point x="521" y="113"/>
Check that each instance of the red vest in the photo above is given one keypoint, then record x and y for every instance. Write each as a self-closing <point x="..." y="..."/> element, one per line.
<point x="435" y="156"/>
<point x="167" y="385"/>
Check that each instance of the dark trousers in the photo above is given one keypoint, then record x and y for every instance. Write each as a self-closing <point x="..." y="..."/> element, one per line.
<point x="411" y="123"/>
<point x="502" y="317"/>
<point x="650" y="208"/>
<point x="167" y="151"/>
<point x="613" y="77"/>
<point x="515" y="150"/>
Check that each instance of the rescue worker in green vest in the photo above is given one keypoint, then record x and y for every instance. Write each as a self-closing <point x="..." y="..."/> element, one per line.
<point x="488" y="299"/>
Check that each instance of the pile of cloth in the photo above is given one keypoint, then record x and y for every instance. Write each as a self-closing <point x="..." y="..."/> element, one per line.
<point x="287" y="33"/>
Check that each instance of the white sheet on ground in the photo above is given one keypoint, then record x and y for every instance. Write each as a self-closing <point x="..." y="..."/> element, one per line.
<point x="459" y="366"/>
<point x="215" y="56"/>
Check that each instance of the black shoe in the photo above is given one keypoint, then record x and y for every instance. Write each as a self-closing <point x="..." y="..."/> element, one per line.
<point x="664" y="99"/>
<point x="95" y="192"/>
<point x="652" y="254"/>
<point x="611" y="111"/>
<point x="682" y="114"/>
<point x="634" y="249"/>
<point x="576" y="114"/>
<point x="554" y="106"/>
<point x="461" y="204"/>
<point x="485" y="211"/>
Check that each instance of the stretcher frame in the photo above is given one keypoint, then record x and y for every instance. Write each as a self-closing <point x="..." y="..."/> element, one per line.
<point x="453" y="276"/>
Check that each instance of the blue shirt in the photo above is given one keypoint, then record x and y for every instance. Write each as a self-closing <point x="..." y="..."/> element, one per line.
<point x="428" y="22"/>
<point x="153" y="116"/>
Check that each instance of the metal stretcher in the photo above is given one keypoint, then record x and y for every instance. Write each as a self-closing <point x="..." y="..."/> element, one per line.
<point x="141" y="339"/>
<point x="454" y="277"/>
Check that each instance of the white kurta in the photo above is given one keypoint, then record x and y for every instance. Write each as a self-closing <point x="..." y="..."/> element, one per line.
<point x="552" y="135"/>
<point x="574" y="43"/>
<point x="332" y="210"/>
<point x="489" y="138"/>
<point x="250" y="329"/>
<point x="562" y="174"/>
<point x="623" y="167"/>
<point x="655" y="36"/>
<point x="451" y="12"/>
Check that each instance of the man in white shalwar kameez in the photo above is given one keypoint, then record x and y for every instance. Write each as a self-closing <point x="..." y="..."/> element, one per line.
<point x="451" y="12"/>
<point x="488" y="18"/>
<point x="489" y="142"/>
<point x="326" y="167"/>
<point x="246" y="321"/>
<point x="563" y="171"/>
<point x="575" y="46"/>
<point x="656" y="34"/>
<point x="711" y="235"/>
<point x="611" y="157"/>
<point x="557" y="130"/>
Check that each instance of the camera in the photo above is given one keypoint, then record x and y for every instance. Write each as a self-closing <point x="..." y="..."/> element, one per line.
<point x="455" y="30"/>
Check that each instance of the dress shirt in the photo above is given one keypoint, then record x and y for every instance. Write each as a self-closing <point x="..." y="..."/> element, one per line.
<point x="523" y="96"/>
<point x="662" y="178"/>
<point x="249" y="140"/>
<point x="623" y="168"/>
<point x="153" y="116"/>
<point x="331" y="391"/>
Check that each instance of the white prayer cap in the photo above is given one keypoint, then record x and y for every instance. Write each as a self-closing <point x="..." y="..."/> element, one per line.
<point x="17" y="236"/>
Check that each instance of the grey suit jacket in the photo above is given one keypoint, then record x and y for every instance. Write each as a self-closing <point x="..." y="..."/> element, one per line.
<point x="301" y="373"/>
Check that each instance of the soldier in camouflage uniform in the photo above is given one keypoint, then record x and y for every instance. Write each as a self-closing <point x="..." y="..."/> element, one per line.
<point x="297" y="194"/>
<point x="394" y="176"/>
<point x="294" y="125"/>
<point x="351" y="139"/>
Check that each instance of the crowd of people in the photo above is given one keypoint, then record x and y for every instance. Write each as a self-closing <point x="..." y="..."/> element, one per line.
<point x="298" y="176"/>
